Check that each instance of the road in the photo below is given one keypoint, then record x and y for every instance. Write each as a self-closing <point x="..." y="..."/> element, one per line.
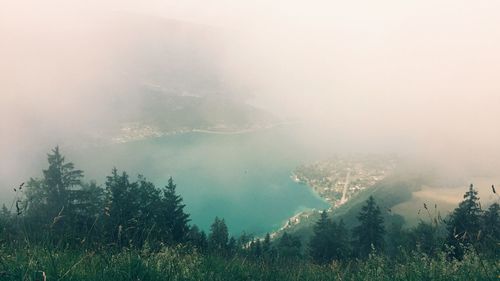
<point x="346" y="185"/>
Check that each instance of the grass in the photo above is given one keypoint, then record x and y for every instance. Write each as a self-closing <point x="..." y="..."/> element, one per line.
<point x="179" y="263"/>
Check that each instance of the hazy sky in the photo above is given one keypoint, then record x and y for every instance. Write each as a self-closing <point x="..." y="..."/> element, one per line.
<point x="420" y="74"/>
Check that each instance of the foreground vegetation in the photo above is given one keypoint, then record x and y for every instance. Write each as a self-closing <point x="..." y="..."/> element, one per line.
<point x="177" y="263"/>
<point x="61" y="228"/>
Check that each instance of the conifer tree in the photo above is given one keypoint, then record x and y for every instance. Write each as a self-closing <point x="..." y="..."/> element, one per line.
<point x="59" y="178"/>
<point x="50" y="194"/>
<point x="174" y="219"/>
<point x="147" y="215"/>
<point x="50" y="201"/>
<point x="491" y="230"/>
<point x="197" y="238"/>
<point x="319" y="249"/>
<point x="203" y="242"/>
<point x="339" y="241"/>
<point x="464" y="224"/>
<point x="266" y="246"/>
<point x="424" y="237"/>
<point x="120" y="208"/>
<point x="370" y="232"/>
<point x="329" y="241"/>
<point x="218" y="237"/>
<point x="88" y="210"/>
<point x="232" y="246"/>
<point x="256" y="248"/>
<point x="244" y="239"/>
<point x="397" y="238"/>
<point x="4" y="220"/>
<point x="289" y="247"/>
<point x="4" y="213"/>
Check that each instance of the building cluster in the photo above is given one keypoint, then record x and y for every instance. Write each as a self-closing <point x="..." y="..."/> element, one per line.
<point x="338" y="179"/>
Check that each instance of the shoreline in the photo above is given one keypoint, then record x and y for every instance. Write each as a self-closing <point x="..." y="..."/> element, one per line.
<point x="292" y="221"/>
<point x="296" y="218"/>
<point x="239" y="132"/>
<point x="159" y="134"/>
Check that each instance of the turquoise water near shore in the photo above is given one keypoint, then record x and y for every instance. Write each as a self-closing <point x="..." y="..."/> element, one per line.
<point x="244" y="178"/>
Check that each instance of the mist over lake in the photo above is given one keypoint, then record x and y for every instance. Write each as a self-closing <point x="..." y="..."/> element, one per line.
<point x="244" y="178"/>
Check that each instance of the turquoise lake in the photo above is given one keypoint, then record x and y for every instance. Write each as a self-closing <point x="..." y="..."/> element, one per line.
<point x="243" y="178"/>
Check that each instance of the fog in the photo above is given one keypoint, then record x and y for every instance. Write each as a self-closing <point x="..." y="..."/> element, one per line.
<point x="419" y="78"/>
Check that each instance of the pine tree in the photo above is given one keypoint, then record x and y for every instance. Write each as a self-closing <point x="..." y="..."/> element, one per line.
<point x="147" y="215"/>
<point x="218" y="237"/>
<point x="87" y="213"/>
<point x="197" y="238"/>
<point x="5" y="213"/>
<point x="232" y="246"/>
<point x="464" y="224"/>
<point x="120" y="208"/>
<point x="370" y="233"/>
<point x="244" y="239"/>
<point x="203" y="242"/>
<point x="289" y="247"/>
<point x="50" y="200"/>
<point x="174" y="219"/>
<point x="397" y="238"/>
<point x="424" y="236"/>
<point x="4" y="221"/>
<point x="266" y="246"/>
<point x="319" y="249"/>
<point x="491" y="230"/>
<point x="339" y="237"/>
<point x="57" y="183"/>
<point x="256" y="248"/>
<point x="329" y="241"/>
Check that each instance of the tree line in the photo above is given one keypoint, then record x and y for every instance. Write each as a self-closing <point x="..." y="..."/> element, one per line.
<point x="468" y="227"/>
<point x="61" y="210"/>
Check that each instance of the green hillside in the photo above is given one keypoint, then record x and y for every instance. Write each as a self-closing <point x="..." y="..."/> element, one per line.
<point x="389" y="192"/>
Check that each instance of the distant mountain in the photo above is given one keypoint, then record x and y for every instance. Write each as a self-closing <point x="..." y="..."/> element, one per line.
<point x="168" y="76"/>
<point x="162" y="113"/>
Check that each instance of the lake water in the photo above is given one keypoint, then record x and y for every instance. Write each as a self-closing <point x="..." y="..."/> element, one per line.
<point x="244" y="178"/>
